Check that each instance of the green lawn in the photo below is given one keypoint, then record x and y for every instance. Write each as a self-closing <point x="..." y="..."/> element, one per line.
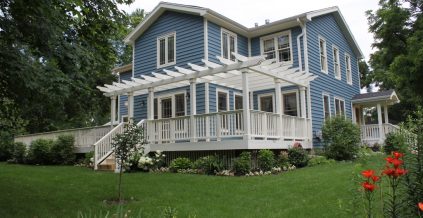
<point x="62" y="191"/>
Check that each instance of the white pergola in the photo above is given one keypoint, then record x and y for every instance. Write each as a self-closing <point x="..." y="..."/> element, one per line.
<point x="246" y="74"/>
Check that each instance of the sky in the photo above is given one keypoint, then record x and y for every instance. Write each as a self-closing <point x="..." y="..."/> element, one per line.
<point x="249" y="12"/>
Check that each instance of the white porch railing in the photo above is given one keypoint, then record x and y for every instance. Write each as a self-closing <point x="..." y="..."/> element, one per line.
<point x="103" y="147"/>
<point x="371" y="134"/>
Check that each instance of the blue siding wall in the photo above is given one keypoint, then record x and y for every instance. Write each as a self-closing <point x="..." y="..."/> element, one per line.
<point x="123" y="110"/>
<point x="326" y="27"/>
<point x="189" y="41"/>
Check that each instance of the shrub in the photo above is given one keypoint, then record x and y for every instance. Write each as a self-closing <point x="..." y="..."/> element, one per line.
<point x="242" y="164"/>
<point x="62" y="150"/>
<point x="40" y="152"/>
<point x="266" y="160"/>
<point x="19" y="152"/>
<point x="283" y="160"/>
<point x="319" y="160"/>
<point x="89" y="158"/>
<point x="6" y="150"/>
<point x="180" y="163"/>
<point x="394" y="141"/>
<point x="341" y="138"/>
<point x="297" y="157"/>
<point x="208" y="164"/>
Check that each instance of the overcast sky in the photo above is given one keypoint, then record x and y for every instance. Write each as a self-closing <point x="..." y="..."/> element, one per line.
<point x="249" y="12"/>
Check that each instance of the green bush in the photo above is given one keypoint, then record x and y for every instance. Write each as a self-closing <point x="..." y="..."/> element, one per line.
<point x="62" y="150"/>
<point x="266" y="160"/>
<point x="40" y="152"/>
<point x="341" y="138"/>
<point x="319" y="160"/>
<point x="395" y="141"/>
<point x="19" y="152"/>
<point x="283" y="160"/>
<point x="297" y="157"/>
<point x="87" y="159"/>
<point x="242" y="164"/>
<point x="208" y="164"/>
<point x="6" y="150"/>
<point x="180" y="163"/>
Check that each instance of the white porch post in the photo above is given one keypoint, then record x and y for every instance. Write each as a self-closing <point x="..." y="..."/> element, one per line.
<point x="246" y="105"/>
<point x="150" y="104"/>
<point x="278" y="102"/>
<point x="379" y="119"/>
<point x="309" y="123"/>
<point x="112" y="110"/>
<point x="385" y="113"/>
<point x="303" y="102"/>
<point x="193" y="101"/>
<point x="207" y="110"/>
<point x="130" y="107"/>
<point x="363" y="117"/>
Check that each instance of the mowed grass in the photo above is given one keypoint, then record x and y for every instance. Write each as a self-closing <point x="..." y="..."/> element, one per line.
<point x="63" y="191"/>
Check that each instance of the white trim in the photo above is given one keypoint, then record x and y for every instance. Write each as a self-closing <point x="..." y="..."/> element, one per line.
<point x="249" y="47"/>
<point x="266" y="95"/>
<point x="339" y="77"/>
<point x="358" y="74"/>
<point x="274" y="37"/>
<point x="223" y="30"/>
<point x="297" y="94"/>
<point x="166" y="37"/>
<point x="325" y="53"/>
<point x="227" y="98"/>
<point x="207" y="97"/>
<point x="334" y="103"/>
<point x="206" y="39"/>
<point x="133" y="59"/>
<point x="348" y="77"/>
<point x="329" y="105"/>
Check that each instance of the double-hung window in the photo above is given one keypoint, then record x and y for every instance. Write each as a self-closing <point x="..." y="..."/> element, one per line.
<point x="277" y="46"/>
<point x="266" y="103"/>
<point x="339" y="107"/>
<point x="290" y="104"/>
<point x="323" y="55"/>
<point x="229" y="44"/>
<point x="336" y="65"/>
<point x="166" y="50"/>
<point x="348" y="68"/>
<point x="222" y="101"/>
<point x="326" y="106"/>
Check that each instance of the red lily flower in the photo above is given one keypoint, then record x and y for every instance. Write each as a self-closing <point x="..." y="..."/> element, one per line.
<point x="368" y="186"/>
<point x="421" y="206"/>
<point x="400" y="172"/>
<point x="368" y="173"/>
<point x="389" y="171"/>
<point x="397" y="154"/>
<point x="397" y="163"/>
<point x="375" y="178"/>
<point x="389" y="159"/>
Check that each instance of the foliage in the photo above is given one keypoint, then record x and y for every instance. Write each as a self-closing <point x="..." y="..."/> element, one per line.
<point x="89" y="158"/>
<point x="40" y="152"/>
<point x="266" y="159"/>
<point x="297" y="157"/>
<point x="319" y="160"/>
<point x="180" y="163"/>
<point x="11" y="124"/>
<point x="62" y="150"/>
<point x="395" y="141"/>
<point x="19" y="152"/>
<point x="369" y="185"/>
<point x="6" y="150"/>
<point x="283" y="159"/>
<point x="242" y="164"/>
<point x="394" y="172"/>
<point x="208" y="164"/>
<point x="341" y="138"/>
<point x="146" y="163"/>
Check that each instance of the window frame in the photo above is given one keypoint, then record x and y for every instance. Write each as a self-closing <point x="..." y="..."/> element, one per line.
<point x="325" y="70"/>
<point x="329" y="105"/>
<point x="338" y="67"/>
<point x="334" y="102"/>
<point x="297" y="95"/>
<point x="259" y="96"/>
<point x="348" y="68"/>
<point x="166" y="37"/>
<point x="172" y="96"/>
<point x="229" y="33"/>
<point x="275" y="37"/>
<point x="238" y="95"/>
<point x="227" y="99"/>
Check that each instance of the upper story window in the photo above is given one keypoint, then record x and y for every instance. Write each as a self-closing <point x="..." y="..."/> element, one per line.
<point x="336" y="65"/>
<point x="277" y="46"/>
<point x="229" y="44"/>
<point x="339" y="107"/>
<point x="323" y="55"/>
<point x="166" y="50"/>
<point x="348" y="68"/>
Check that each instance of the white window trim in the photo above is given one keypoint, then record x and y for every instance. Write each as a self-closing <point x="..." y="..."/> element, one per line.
<point x="325" y="53"/>
<point x="227" y="99"/>
<point x="223" y="30"/>
<point x="166" y="64"/>
<point x="259" y="96"/>
<point x="170" y="95"/>
<point x="339" y="77"/>
<point x="297" y="94"/>
<point x="287" y="32"/>
<point x="349" y="77"/>
<point x="329" y="105"/>
<point x="237" y="94"/>
<point x="334" y="102"/>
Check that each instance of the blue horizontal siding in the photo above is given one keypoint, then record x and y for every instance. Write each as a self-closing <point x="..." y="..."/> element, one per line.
<point x="123" y="110"/>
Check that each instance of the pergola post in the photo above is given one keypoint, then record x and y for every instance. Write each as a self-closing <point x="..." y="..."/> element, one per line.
<point x="385" y="113"/>
<point x="150" y="104"/>
<point x="278" y="105"/>
<point x="130" y="107"/>
<point x="207" y="110"/>
<point x="309" y="121"/>
<point x="246" y="105"/>
<point x="303" y="102"/>
<point x="193" y="108"/>
<point x="379" y="119"/>
<point x="112" y="110"/>
<point x="363" y="116"/>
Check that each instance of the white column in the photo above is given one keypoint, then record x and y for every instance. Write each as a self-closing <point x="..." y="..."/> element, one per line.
<point x="303" y="102"/>
<point x="112" y="110"/>
<point x="353" y="114"/>
<point x="385" y="112"/>
<point x="278" y="104"/>
<point x="309" y="121"/>
<point x="379" y="119"/>
<point x="363" y="117"/>
<point x="150" y="104"/>
<point x="193" y="104"/>
<point x="207" y="110"/>
<point x="245" y="105"/>
<point x="130" y="107"/>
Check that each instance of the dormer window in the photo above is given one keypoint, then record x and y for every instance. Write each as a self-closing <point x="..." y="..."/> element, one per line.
<point x="277" y="46"/>
<point x="166" y="50"/>
<point x="229" y="44"/>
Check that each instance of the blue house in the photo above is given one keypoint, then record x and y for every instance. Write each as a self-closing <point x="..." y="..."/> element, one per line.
<point x="201" y="82"/>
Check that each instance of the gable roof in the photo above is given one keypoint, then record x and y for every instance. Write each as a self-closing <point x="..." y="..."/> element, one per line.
<point x="239" y="28"/>
<point x="387" y="96"/>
